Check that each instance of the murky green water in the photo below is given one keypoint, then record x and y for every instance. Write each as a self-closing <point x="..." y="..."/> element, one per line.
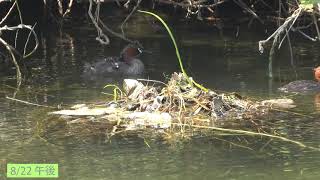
<point x="219" y="60"/>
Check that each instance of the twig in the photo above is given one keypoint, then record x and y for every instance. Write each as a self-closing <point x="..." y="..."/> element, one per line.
<point x="128" y="17"/>
<point x="238" y="145"/>
<point x="11" y="49"/>
<point x="8" y="47"/>
<point x="302" y="27"/>
<point x="245" y="7"/>
<point x="16" y="38"/>
<point x="101" y="38"/>
<point x="6" y="16"/>
<point x="22" y="26"/>
<point x="285" y="26"/>
<point x="19" y="12"/>
<point x="290" y="48"/>
<point x="115" y="33"/>
<point x="306" y="36"/>
<point x="29" y="103"/>
<point x="99" y="21"/>
<point x="253" y="134"/>
<point x="295" y="113"/>
<point x="156" y="81"/>
<point x="36" y="39"/>
<point x="277" y="33"/>
<point x="60" y="7"/>
<point x="316" y="24"/>
<point x="69" y="8"/>
<point x="195" y="4"/>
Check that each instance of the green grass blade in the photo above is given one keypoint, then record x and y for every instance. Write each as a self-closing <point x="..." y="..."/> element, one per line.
<point x="191" y="81"/>
<point x="116" y="91"/>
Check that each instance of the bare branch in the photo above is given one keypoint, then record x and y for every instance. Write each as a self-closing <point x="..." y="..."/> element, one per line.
<point x="6" y="16"/>
<point x="60" y="7"/>
<point x="69" y="8"/>
<point x="19" y="12"/>
<point x="12" y="49"/>
<point x="128" y="17"/>
<point x="7" y="46"/>
<point x="102" y="38"/>
<point x="286" y="25"/>
<point x="26" y="44"/>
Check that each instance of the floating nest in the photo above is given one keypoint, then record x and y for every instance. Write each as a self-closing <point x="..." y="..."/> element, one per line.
<point x="173" y="108"/>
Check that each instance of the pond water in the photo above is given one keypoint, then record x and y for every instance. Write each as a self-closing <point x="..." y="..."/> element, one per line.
<point x="220" y="60"/>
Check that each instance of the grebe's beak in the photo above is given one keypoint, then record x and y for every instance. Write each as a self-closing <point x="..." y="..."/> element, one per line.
<point x="146" y="51"/>
<point x="141" y="50"/>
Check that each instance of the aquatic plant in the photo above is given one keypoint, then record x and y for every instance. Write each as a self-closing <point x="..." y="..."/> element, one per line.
<point x="190" y="80"/>
<point x="117" y="92"/>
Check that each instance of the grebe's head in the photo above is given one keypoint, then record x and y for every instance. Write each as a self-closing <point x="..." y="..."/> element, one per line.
<point x="130" y="52"/>
<point x="317" y="73"/>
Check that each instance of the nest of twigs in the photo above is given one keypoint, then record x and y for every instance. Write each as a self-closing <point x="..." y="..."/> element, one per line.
<point x="176" y="106"/>
<point x="175" y="110"/>
<point x="188" y="104"/>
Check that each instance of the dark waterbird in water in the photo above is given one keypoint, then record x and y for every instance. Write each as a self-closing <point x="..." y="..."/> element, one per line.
<point x="304" y="86"/>
<point x="128" y="63"/>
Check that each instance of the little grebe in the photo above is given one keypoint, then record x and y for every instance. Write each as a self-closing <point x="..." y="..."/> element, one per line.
<point x="126" y="64"/>
<point x="304" y="86"/>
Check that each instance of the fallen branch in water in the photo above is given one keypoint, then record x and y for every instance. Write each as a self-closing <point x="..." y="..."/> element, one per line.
<point x="29" y="103"/>
<point x="250" y="133"/>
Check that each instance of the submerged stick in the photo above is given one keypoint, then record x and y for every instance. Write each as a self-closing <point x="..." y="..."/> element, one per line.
<point x="29" y="103"/>
<point x="253" y="134"/>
